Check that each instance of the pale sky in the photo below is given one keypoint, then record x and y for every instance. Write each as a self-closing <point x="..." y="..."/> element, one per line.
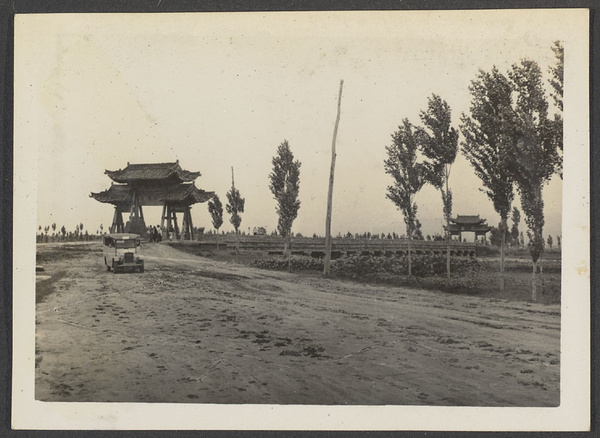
<point x="95" y="91"/>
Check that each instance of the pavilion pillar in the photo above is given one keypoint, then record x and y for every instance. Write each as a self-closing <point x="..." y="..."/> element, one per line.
<point x="187" y="227"/>
<point x="169" y="223"/>
<point x="175" y="226"/>
<point x="113" y="226"/>
<point x="120" y="224"/>
<point x="117" y="223"/>
<point x="184" y="227"/>
<point x="162" y="218"/>
<point x="133" y="209"/>
<point x="188" y="209"/>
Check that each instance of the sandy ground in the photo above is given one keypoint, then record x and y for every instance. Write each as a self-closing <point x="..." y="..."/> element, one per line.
<point x="191" y="329"/>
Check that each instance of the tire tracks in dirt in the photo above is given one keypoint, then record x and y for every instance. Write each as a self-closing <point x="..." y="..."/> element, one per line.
<point x="198" y="330"/>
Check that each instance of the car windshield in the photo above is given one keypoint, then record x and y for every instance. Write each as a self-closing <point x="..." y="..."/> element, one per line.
<point x="126" y="243"/>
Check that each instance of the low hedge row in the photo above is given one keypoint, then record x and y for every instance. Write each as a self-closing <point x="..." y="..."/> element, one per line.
<point x="523" y="265"/>
<point x="428" y="271"/>
<point x="422" y="266"/>
<point x="293" y="264"/>
<point x="371" y="267"/>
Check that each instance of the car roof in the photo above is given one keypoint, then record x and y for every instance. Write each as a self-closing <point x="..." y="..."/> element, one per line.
<point x="124" y="236"/>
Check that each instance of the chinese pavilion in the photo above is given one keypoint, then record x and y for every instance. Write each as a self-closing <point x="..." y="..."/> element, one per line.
<point x="473" y="224"/>
<point x="156" y="184"/>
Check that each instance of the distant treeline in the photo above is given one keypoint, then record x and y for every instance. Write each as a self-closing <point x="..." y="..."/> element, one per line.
<point x="51" y="233"/>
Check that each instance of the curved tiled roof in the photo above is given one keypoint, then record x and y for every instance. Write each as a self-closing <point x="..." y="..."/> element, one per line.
<point x="454" y="228"/>
<point x="115" y="194"/>
<point x="152" y="172"/>
<point x="183" y="193"/>
<point x="186" y="192"/>
<point x="475" y="219"/>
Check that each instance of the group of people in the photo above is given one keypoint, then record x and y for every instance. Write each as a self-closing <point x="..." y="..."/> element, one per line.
<point x="155" y="233"/>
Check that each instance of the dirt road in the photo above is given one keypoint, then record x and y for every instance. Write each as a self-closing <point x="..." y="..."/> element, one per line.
<point x="191" y="329"/>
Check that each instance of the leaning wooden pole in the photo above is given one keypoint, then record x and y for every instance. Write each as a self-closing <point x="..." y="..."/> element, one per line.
<point x="327" y="265"/>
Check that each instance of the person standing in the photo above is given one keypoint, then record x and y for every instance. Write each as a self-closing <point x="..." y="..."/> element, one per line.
<point x="150" y="234"/>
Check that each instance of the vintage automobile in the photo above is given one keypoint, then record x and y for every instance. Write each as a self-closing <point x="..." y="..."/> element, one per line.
<point x="121" y="252"/>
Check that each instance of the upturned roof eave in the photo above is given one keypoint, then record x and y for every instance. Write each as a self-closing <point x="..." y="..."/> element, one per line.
<point x="144" y="172"/>
<point x="189" y="195"/>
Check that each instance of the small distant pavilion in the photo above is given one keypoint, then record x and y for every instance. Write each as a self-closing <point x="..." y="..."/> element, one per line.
<point x="155" y="184"/>
<point x="473" y="224"/>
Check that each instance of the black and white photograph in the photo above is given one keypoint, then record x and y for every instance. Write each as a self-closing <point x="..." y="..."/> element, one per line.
<point x="302" y="220"/>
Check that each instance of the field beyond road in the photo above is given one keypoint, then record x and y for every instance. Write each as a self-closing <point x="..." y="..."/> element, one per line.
<point x="196" y="330"/>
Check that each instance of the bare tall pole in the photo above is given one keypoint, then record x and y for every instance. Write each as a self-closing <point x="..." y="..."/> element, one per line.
<point x="327" y="265"/>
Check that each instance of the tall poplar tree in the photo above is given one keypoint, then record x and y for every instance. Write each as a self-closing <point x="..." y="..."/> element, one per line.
<point x="514" y="231"/>
<point x="215" y="208"/>
<point x="489" y="141"/>
<point x="408" y="176"/>
<point x="439" y="143"/>
<point x="535" y="155"/>
<point x="556" y="82"/>
<point x="285" y="186"/>
<point x="235" y="206"/>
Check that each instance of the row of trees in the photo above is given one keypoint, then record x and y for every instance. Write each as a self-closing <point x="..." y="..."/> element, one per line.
<point x="509" y="139"/>
<point x="285" y="186"/>
<point x="63" y="235"/>
<point x="517" y="241"/>
<point x="235" y="207"/>
<point x="437" y="140"/>
<point x="514" y="237"/>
